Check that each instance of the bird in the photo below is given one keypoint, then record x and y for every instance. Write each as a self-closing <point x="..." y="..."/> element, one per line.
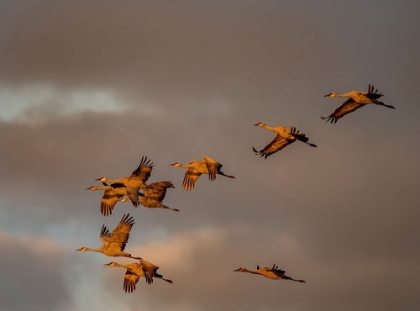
<point x="137" y="178"/>
<point x="111" y="195"/>
<point x="285" y="136"/>
<point x="273" y="273"/>
<point x="114" y="243"/>
<point x="153" y="195"/>
<point x="356" y="100"/>
<point x="196" y="168"/>
<point x="137" y="270"/>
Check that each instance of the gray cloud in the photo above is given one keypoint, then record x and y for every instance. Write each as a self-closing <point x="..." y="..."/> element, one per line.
<point x="32" y="274"/>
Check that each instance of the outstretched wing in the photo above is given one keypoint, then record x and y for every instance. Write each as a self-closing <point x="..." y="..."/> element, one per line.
<point x="372" y="93"/>
<point x="108" y="201"/>
<point x="130" y="281"/>
<point x="105" y="235"/>
<point x="277" y="144"/>
<point x="149" y="270"/>
<point x="157" y="190"/>
<point x="212" y="166"/>
<point x="190" y="179"/>
<point x="144" y="169"/>
<point x="121" y="233"/>
<point x="347" y="107"/>
<point x="277" y="271"/>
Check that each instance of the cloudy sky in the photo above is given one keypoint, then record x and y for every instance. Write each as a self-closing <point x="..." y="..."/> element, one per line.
<point x="89" y="87"/>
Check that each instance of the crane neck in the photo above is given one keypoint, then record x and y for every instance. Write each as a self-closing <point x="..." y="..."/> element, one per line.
<point x="99" y="249"/>
<point x="267" y="127"/>
<point x="251" y="271"/>
<point x="119" y="265"/>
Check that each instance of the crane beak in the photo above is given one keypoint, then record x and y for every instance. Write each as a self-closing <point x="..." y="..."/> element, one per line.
<point x="328" y="95"/>
<point x="79" y="249"/>
<point x="256" y="124"/>
<point x="236" y="270"/>
<point x="107" y="264"/>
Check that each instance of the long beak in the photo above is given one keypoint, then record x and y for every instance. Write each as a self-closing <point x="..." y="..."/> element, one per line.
<point x="236" y="270"/>
<point x="328" y="95"/>
<point x="88" y="188"/>
<point x="256" y="124"/>
<point x="172" y="164"/>
<point x="107" y="264"/>
<point x="78" y="250"/>
<point x="99" y="178"/>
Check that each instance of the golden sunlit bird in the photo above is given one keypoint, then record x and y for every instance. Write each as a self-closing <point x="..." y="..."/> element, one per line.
<point x="114" y="244"/>
<point x="135" y="271"/>
<point x="111" y="195"/>
<point x="153" y="195"/>
<point x="285" y="136"/>
<point x="137" y="178"/>
<point x="273" y="273"/>
<point x="196" y="168"/>
<point x="356" y="100"/>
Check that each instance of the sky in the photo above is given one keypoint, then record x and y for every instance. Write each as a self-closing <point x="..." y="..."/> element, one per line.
<point x="89" y="87"/>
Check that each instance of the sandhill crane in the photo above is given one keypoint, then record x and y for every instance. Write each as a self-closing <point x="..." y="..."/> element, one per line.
<point x="356" y="100"/>
<point x="153" y="196"/>
<point x="273" y="273"/>
<point x="111" y="195"/>
<point x="196" y="168"/>
<point x="285" y="136"/>
<point x="114" y="244"/>
<point x="137" y="178"/>
<point x="135" y="271"/>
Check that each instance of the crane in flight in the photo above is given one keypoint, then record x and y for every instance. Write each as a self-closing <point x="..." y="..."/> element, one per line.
<point x="273" y="273"/>
<point x="356" y="100"/>
<point x="285" y="136"/>
<point x="196" y="168"/>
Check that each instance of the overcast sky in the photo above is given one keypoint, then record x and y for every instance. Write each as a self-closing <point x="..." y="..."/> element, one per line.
<point x="89" y="87"/>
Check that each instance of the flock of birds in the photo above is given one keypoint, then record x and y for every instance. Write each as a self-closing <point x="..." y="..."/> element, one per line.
<point x="134" y="189"/>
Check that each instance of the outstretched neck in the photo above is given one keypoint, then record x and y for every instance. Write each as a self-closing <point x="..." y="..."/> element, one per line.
<point x="99" y="188"/>
<point x="119" y="265"/>
<point x="106" y="179"/>
<point x="99" y="249"/>
<point x="251" y="271"/>
<point x="183" y="165"/>
<point x="350" y="94"/>
<point x="267" y="127"/>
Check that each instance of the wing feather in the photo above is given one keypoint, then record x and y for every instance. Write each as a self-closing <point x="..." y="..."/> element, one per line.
<point x="121" y="233"/>
<point x="190" y="179"/>
<point x="130" y="281"/>
<point x="277" y="144"/>
<point x="347" y="107"/>
<point x="144" y="170"/>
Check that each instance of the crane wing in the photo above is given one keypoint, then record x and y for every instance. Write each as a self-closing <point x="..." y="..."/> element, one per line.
<point x="105" y="235"/>
<point x="372" y="93"/>
<point x="130" y="281"/>
<point x="108" y="201"/>
<point x="277" y="271"/>
<point x="149" y="270"/>
<point x="212" y="166"/>
<point x="277" y="144"/>
<point x="347" y="107"/>
<point x="157" y="190"/>
<point x="144" y="169"/>
<point x="121" y="233"/>
<point x="190" y="179"/>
